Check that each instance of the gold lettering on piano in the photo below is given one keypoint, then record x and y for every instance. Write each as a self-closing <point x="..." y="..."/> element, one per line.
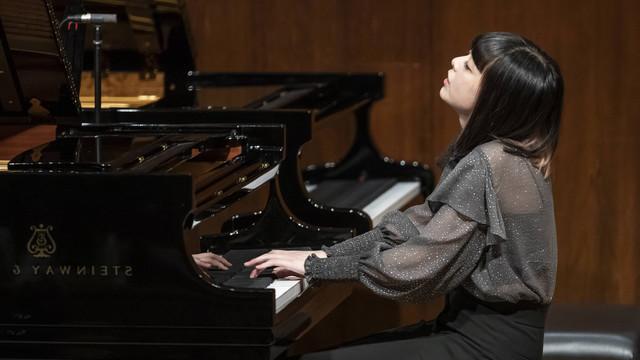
<point x="74" y="270"/>
<point x="41" y="243"/>
<point x="65" y="270"/>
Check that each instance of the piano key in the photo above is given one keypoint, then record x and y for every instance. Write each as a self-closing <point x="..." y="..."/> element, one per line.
<point x="393" y="199"/>
<point x="247" y="282"/>
<point x="287" y="290"/>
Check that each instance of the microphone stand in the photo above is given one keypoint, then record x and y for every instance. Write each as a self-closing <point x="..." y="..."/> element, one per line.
<point x="96" y="20"/>
<point x="97" y="74"/>
<point x="97" y="43"/>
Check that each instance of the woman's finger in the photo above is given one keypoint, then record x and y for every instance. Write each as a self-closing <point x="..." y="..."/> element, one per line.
<point x="261" y="259"/>
<point x="260" y="267"/>
<point x="222" y="260"/>
<point x="209" y="260"/>
<point x="219" y="264"/>
<point x="273" y="254"/>
<point x="267" y="264"/>
<point x="254" y="273"/>
<point x="201" y="263"/>
<point x="256" y="260"/>
<point x="211" y="256"/>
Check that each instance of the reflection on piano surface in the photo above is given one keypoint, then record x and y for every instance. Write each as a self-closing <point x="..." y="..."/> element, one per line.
<point x="98" y="226"/>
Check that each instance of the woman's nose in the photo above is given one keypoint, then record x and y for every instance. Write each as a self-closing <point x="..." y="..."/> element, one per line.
<point x="455" y="62"/>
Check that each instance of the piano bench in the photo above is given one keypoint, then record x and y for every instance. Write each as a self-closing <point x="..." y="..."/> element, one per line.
<point x="592" y="332"/>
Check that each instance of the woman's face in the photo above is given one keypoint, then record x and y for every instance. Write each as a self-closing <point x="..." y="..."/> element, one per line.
<point x="461" y="85"/>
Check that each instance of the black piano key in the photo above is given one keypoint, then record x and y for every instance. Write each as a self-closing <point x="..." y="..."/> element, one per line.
<point x="238" y="274"/>
<point x="237" y="258"/>
<point x="242" y="280"/>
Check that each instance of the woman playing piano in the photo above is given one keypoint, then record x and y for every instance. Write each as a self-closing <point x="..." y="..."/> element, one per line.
<point x="485" y="237"/>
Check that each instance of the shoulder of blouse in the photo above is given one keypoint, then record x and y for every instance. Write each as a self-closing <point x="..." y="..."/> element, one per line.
<point x="468" y="189"/>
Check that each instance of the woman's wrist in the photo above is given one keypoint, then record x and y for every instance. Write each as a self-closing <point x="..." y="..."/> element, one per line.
<point x="331" y="268"/>
<point x="320" y="254"/>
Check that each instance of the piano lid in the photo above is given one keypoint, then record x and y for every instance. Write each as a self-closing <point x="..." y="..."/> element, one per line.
<point x="35" y="82"/>
<point x="122" y="153"/>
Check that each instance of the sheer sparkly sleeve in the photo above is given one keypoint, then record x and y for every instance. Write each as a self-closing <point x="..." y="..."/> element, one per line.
<point x="394" y="229"/>
<point x="433" y="256"/>
<point x="434" y="260"/>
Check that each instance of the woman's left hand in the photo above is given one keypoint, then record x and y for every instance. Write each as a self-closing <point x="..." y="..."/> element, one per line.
<point x="284" y="262"/>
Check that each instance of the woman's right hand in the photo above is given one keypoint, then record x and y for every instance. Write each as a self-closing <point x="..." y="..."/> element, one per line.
<point x="209" y="261"/>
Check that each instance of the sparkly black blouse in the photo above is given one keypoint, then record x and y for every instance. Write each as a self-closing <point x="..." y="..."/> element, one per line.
<point x="488" y="227"/>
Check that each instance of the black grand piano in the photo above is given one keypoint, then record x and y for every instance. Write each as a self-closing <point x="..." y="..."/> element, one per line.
<point x="97" y="227"/>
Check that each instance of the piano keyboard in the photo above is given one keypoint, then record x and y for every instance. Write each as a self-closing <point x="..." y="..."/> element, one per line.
<point x="396" y="197"/>
<point x="286" y="289"/>
<point x="393" y="197"/>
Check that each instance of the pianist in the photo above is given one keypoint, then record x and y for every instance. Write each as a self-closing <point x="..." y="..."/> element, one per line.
<point x="485" y="237"/>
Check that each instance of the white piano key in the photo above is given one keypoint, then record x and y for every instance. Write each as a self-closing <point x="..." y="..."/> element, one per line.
<point x="287" y="290"/>
<point x="393" y="199"/>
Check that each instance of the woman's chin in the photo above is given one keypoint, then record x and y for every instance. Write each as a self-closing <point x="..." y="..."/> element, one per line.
<point x="443" y="94"/>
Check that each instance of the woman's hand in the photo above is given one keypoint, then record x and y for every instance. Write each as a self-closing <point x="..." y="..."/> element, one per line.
<point x="285" y="262"/>
<point x="209" y="260"/>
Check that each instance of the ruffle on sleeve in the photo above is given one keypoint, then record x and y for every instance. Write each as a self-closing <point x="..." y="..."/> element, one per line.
<point x="468" y="189"/>
<point x="397" y="227"/>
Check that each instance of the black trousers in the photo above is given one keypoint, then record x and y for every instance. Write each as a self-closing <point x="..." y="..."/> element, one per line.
<point x="466" y="329"/>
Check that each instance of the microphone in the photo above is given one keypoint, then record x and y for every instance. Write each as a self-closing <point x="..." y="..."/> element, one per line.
<point x="93" y="18"/>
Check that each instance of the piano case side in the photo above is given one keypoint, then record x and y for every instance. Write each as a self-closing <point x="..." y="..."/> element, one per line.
<point x="113" y="277"/>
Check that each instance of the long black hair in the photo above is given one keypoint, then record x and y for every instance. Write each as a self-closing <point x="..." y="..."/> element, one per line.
<point x="519" y="100"/>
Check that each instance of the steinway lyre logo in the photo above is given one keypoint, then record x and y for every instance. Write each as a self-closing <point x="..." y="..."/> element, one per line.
<point x="41" y="244"/>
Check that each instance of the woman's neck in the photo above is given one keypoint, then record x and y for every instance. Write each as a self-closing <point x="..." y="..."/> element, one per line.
<point x="463" y="119"/>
